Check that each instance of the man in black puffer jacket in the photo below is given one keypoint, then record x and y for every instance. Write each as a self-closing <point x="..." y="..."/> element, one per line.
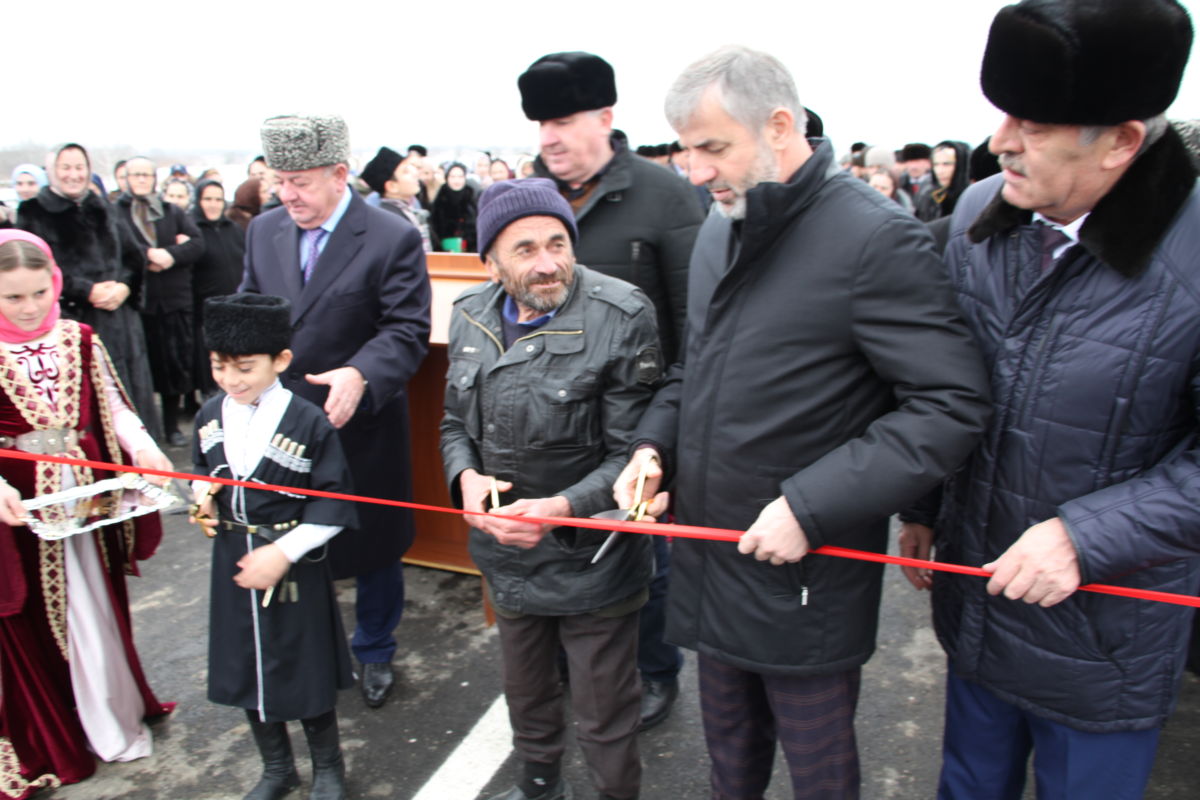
<point x="1076" y="271"/>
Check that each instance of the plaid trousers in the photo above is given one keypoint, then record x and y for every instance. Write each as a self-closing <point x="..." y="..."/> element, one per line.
<point x="812" y="718"/>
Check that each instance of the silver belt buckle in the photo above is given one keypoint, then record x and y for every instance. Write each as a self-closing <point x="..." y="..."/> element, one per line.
<point x="49" y="442"/>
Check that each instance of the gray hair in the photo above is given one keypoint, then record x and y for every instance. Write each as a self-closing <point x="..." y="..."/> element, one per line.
<point x="1155" y="128"/>
<point x="750" y="85"/>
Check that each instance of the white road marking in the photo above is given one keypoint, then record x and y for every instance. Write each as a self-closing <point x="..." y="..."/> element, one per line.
<point x="473" y="763"/>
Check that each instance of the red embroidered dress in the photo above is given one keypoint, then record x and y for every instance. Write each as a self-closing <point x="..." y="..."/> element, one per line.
<point x="70" y="679"/>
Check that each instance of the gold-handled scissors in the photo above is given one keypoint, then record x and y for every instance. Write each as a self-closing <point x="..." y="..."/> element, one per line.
<point x="636" y="514"/>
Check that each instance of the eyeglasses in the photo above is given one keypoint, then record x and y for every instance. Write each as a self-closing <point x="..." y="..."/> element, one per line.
<point x="139" y="174"/>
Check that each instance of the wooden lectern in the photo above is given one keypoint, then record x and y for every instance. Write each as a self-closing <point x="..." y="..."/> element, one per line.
<point x="441" y="539"/>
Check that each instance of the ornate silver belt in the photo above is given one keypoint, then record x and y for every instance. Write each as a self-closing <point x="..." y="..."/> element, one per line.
<point x="48" y="442"/>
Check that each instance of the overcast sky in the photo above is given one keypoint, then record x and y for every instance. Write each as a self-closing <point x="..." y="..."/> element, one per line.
<point x="199" y="75"/>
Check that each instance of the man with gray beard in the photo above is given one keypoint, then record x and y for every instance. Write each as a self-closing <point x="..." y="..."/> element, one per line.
<point x="826" y="381"/>
<point x="551" y="365"/>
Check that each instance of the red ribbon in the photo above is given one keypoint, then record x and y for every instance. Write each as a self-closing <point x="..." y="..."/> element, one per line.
<point x="656" y="529"/>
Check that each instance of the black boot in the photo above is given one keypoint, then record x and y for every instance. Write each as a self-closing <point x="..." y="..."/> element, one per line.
<point x="279" y="775"/>
<point x="329" y="771"/>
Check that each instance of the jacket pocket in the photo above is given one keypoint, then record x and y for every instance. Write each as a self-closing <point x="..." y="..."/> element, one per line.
<point x="346" y="299"/>
<point x="564" y="413"/>
<point x="462" y="398"/>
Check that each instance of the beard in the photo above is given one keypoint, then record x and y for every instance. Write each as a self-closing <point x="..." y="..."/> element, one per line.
<point x="524" y="291"/>
<point x="764" y="169"/>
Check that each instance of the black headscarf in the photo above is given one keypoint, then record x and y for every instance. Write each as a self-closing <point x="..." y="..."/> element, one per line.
<point x="453" y="213"/>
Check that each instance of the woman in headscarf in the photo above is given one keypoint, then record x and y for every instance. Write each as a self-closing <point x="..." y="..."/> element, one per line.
<point x="219" y="270"/>
<point x="28" y="179"/>
<point x="525" y="167"/>
<point x="951" y="176"/>
<point x="885" y="184"/>
<point x="72" y="684"/>
<point x="500" y="171"/>
<point x="178" y="192"/>
<point x="102" y="269"/>
<point x="453" y="216"/>
<point x="170" y="244"/>
<point x="247" y="203"/>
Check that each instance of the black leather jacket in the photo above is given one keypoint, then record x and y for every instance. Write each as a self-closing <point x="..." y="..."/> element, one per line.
<point x="554" y="414"/>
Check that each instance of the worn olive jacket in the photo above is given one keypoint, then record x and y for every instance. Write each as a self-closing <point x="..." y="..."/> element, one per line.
<point x="554" y="414"/>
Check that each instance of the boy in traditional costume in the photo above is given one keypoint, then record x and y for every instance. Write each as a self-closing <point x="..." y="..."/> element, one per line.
<point x="276" y="644"/>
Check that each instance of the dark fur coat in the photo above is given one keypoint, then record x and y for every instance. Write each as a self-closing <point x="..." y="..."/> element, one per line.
<point x="88" y="243"/>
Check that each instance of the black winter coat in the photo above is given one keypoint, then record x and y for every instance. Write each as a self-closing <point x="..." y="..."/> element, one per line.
<point x="639" y="225"/>
<point x="219" y="270"/>
<point x="453" y="216"/>
<point x="1095" y="370"/>
<point x="170" y="289"/>
<point x="828" y="364"/>
<point x="89" y="244"/>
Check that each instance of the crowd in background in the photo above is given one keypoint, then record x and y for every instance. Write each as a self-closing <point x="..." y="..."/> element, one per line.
<point x="178" y="239"/>
<point x="203" y="237"/>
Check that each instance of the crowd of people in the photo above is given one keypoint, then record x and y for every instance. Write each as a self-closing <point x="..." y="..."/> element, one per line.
<point x="740" y="330"/>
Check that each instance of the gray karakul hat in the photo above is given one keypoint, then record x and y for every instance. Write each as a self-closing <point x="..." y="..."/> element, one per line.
<point x="561" y="84"/>
<point x="294" y="143"/>
<point x="246" y="324"/>
<point x="1086" y="62"/>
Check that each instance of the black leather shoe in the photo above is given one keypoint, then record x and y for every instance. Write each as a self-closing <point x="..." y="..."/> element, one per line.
<point x="176" y="439"/>
<point x="377" y="682"/>
<point x="657" y="699"/>
<point x="559" y="790"/>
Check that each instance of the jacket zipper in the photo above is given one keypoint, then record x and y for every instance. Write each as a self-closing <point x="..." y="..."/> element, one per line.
<point x="484" y="328"/>
<point x="547" y="333"/>
<point x="500" y="346"/>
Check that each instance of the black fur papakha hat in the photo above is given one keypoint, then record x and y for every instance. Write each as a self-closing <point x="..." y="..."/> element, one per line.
<point x="561" y="84"/>
<point x="246" y="324"/>
<point x="1086" y="62"/>
<point x="380" y="169"/>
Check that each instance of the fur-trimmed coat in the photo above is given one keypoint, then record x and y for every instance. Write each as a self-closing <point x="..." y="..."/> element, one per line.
<point x="91" y="245"/>
<point x="88" y="243"/>
<point x="1095" y="373"/>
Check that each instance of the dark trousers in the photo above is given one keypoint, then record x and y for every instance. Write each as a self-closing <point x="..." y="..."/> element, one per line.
<point x="378" y="607"/>
<point x="811" y="717"/>
<point x="657" y="660"/>
<point x="605" y="693"/>
<point x="987" y="742"/>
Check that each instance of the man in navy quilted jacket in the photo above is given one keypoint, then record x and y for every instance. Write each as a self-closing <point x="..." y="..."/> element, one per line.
<point x="1076" y="269"/>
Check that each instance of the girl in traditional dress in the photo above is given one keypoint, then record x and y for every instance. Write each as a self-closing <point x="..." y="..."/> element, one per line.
<point x="71" y="684"/>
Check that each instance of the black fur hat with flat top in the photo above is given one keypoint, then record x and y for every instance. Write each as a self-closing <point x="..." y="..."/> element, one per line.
<point x="247" y="324"/>
<point x="1086" y="62"/>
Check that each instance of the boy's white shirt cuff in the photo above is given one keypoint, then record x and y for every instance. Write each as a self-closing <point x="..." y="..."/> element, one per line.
<point x="305" y="537"/>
